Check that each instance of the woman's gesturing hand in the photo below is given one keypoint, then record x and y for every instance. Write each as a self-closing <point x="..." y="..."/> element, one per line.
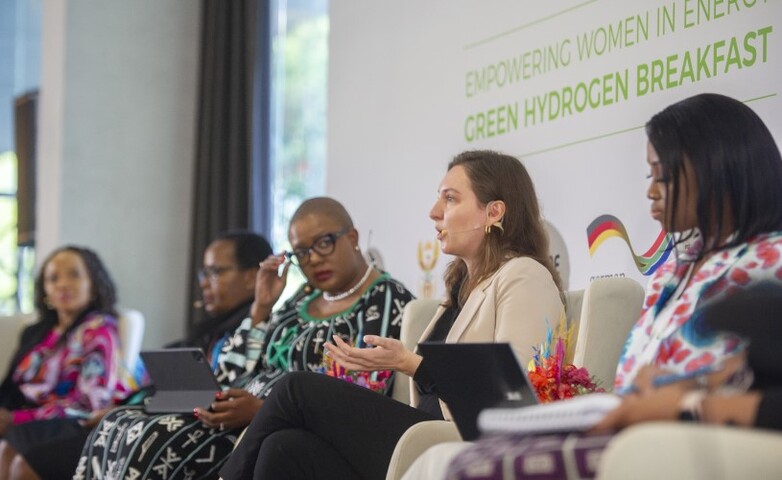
<point x="269" y="284"/>
<point x="385" y="354"/>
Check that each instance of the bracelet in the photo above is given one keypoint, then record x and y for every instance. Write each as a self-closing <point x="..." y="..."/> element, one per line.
<point x="702" y="381"/>
<point x="691" y="406"/>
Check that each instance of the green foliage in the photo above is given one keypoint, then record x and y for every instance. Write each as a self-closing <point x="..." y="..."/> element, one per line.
<point x="10" y="255"/>
<point x="7" y="233"/>
<point x="303" y="115"/>
<point x="299" y="98"/>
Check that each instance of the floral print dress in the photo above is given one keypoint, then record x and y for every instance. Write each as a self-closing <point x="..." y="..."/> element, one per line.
<point x="670" y="333"/>
<point x="84" y="372"/>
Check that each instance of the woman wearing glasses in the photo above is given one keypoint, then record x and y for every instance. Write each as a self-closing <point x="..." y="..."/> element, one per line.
<point x="503" y="288"/>
<point x="345" y="296"/>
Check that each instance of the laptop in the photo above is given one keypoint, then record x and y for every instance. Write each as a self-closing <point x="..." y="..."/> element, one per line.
<point x="182" y="378"/>
<point x="471" y="377"/>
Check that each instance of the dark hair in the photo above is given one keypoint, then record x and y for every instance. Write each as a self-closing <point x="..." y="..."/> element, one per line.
<point x="737" y="166"/>
<point x="495" y="176"/>
<point x="250" y="249"/>
<point x="104" y="294"/>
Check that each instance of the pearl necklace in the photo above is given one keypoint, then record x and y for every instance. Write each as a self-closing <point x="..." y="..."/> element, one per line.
<point x="347" y="293"/>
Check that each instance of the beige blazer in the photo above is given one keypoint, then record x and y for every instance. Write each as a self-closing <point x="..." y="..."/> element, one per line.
<point x="512" y="306"/>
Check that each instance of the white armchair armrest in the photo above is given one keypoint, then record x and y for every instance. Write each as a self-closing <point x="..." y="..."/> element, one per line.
<point x="416" y="440"/>
<point x="130" y="326"/>
<point x="679" y="451"/>
<point x="10" y="333"/>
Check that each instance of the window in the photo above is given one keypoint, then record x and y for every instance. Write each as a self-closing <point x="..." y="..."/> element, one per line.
<point x="9" y="302"/>
<point x="299" y="70"/>
<point x="20" y="46"/>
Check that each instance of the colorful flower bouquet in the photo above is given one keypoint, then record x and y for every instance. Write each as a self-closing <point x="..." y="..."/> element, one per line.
<point x="550" y="375"/>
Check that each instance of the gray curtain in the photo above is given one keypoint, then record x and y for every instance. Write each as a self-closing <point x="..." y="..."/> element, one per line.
<point x="228" y="125"/>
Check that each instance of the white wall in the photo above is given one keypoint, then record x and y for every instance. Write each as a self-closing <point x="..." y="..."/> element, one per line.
<point x="117" y="125"/>
<point x="398" y="105"/>
<point x="116" y="145"/>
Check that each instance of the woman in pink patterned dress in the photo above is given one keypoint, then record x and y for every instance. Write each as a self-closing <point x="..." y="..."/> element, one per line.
<point x="716" y="169"/>
<point x="68" y="366"/>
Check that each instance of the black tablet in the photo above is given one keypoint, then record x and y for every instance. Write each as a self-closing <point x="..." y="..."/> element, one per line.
<point x="183" y="380"/>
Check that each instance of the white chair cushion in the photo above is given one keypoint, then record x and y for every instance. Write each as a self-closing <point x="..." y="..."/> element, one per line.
<point x="415" y="317"/>
<point x="684" y="451"/>
<point x="131" y="332"/>
<point x="10" y="332"/>
<point x="610" y="308"/>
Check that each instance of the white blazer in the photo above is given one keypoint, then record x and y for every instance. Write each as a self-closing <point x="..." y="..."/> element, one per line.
<point x="512" y="306"/>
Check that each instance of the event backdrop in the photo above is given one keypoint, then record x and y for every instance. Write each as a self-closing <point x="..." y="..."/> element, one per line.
<point x="565" y="85"/>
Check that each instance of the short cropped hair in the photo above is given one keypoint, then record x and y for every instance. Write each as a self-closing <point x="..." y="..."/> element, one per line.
<point x="324" y="206"/>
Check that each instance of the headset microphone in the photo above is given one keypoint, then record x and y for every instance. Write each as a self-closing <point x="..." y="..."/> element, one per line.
<point x="445" y="232"/>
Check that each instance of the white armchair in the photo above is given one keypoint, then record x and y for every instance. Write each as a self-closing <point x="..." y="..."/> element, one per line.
<point x="10" y="331"/>
<point x="130" y="325"/>
<point x="610" y="308"/>
<point x="685" y="451"/>
<point x="415" y="317"/>
<point x="420" y="437"/>
<point x="603" y="315"/>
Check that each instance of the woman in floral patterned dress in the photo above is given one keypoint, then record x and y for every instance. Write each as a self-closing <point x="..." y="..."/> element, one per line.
<point x="67" y="368"/>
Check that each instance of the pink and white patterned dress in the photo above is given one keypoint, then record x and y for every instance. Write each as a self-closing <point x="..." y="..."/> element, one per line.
<point x="670" y="333"/>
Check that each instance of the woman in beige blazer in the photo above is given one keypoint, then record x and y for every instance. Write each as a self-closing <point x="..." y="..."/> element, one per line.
<point x="502" y="288"/>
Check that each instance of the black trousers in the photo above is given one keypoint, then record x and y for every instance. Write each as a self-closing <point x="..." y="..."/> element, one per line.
<point x="51" y="447"/>
<point x="318" y="427"/>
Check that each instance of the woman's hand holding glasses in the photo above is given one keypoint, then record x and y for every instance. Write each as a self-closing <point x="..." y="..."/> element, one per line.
<point x="269" y="284"/>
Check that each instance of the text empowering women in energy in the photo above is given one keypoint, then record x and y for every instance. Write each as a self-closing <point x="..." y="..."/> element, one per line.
<point x="691" y="66"/>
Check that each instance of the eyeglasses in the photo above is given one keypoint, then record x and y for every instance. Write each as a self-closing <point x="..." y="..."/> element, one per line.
<point x="323" y="246"/>
<point x="213" y="272"/>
